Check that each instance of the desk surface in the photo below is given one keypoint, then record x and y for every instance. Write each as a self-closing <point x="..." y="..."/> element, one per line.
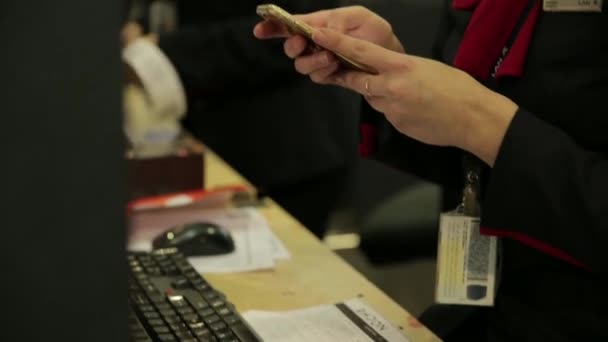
<point x="313" y="276"/>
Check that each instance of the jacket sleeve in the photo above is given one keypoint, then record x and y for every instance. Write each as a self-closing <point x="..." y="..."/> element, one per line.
<point x="380" y="141"/>
<point x="223" y="56"/>
<point x="550" y="192"/>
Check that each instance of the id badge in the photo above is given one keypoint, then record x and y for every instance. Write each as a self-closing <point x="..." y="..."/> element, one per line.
<point x="466" y="262"/>
<point x="572" y="5"/>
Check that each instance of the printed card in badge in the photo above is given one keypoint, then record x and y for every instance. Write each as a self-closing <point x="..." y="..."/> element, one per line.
<point x="466" y="262"/>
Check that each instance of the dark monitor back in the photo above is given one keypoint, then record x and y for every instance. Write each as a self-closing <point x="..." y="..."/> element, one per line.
<point x="62" y="227"/>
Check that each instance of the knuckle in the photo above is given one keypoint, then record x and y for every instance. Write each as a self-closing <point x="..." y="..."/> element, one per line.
<point x="393" y="88"/>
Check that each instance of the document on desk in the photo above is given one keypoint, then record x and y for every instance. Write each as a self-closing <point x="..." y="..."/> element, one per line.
<point x="351" y="321"/>
<point x="256" y="246"/>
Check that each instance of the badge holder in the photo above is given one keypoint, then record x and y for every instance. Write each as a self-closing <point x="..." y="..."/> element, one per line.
<point x="466" y="260"/>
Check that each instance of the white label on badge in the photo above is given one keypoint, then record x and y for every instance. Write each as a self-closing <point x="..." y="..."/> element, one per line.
<point x="466" y="262"/>
<point x="572" y="5"/>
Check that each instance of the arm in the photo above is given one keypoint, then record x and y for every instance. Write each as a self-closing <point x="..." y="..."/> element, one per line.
<point x="560" y="192"/>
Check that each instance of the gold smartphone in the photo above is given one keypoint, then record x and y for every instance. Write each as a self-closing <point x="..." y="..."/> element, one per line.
<point x="297" y="27"/>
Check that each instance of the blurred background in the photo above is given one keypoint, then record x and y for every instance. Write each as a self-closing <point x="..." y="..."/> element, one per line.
<point x="296" y="141"/>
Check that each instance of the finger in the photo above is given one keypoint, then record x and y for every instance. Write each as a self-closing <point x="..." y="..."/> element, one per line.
<point x="313" y="62"/>
<point x="360" y="82"/>
<point x="130" y="32"/>
<point x="270" y="29"/>
<point x="358" y="50"/>
<point x="322" y="76"/>
<point x="295" y="46"/>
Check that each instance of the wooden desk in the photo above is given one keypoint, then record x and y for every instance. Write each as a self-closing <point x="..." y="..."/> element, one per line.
<point x="313" y="276"/>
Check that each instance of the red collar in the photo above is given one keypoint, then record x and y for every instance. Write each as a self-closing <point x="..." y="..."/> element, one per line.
<point x="489" y="30"/>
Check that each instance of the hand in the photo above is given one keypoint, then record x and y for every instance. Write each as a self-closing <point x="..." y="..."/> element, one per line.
<point x="355" y="21"/>
<point x="133" y="31"/>
<point x="424" y="99"/>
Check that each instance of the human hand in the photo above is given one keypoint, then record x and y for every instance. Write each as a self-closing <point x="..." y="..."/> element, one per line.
<point x="133" y="31"/>
<point x="355" y="21"/>
<point x="424" y="99"/>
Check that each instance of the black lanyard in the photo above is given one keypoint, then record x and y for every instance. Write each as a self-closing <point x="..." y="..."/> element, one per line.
<point x="472" y="166"/>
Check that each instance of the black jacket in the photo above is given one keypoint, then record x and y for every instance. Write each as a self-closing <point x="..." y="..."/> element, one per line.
<point x="547" y="194"/>
<point x="249" y="105"/>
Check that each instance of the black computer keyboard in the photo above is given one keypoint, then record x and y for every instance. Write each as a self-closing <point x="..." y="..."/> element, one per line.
<point x="171" y="302"/>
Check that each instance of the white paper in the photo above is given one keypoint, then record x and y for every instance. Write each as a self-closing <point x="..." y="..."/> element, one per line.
<point x="158" y="76"/>
<point x="256" y="246"/>
<point x="325" y="323"/>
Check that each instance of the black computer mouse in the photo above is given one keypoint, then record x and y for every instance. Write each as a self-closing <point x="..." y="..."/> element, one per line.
<point x="196" y="239"/>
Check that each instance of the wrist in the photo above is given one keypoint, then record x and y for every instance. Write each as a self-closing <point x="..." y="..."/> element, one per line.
<point x="489" y="120"/>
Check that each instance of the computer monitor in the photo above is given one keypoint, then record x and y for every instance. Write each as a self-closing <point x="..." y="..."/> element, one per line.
<point x="62" y="227"/>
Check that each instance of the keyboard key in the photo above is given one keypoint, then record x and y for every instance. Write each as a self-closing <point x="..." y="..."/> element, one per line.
<point x="139" y="335"/>
<point x="191" y="318"/>
<point x="160" y="257"/>
<point x="243" y="333"/>
<point x="211" y="319"/>
<point x="162" y="306"/>
<point x="201" y="332"/>
<point x="156" y="322"/>
<point x="146" y="308"/>
<point x="185" y="310"/>
<point x="156" y="298"/>
<point x="217" y="303"/>
<point x="171" y="270"/>
<point x="154" y="271"/>
<point x="147" y="264"/>
<point x="151" y="315"/>
<point x="180" y="283"/>
<point x="168" y="313"/>
<point x="218" y="326"/>
<point x="166" y="338"/>
<point x="172" y="319"/>
<point x="202" y="287"/>
<point x="184" y="335"/>
<point x="196" y="325"/>
<point x="178" y="327"/>
<point x="224" y="335"/>
<point x="165" y="263"/>
<point x="206" y="312"/>
<point x="231" y="320"/>
<point x="178" y="301"/>
<point x="150" y="288"/>
<point x="144" y="257"/>
<point x="162" y="329"/>
<point x="208" y="339"/>
<point x="209" y="295"/>
<point x="197" y="280"/>
<point x="200" y="304"/>
<point x="139" y="299"/>
<point x="224" y="311"/>
<point x="192" y="275"/>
